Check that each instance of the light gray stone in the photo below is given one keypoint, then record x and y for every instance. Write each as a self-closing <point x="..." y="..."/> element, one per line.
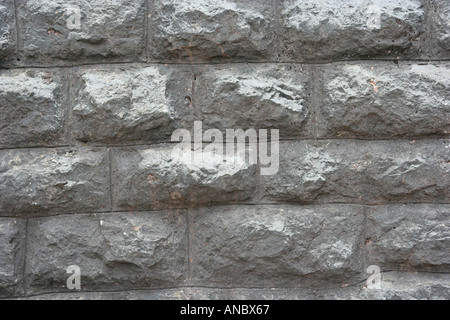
<point x="373" y="100"/>
<point x="7" y="33"/>
<point x="409" y="237"/>
<point x="158" y="177"/>
<point x="107" y="31"/>
<point x="54" y="181"/>
<point x="355" y="171"/>
<point x="129" y="104"/>
<point x="12" y="251"/>
<point x="117" y="251"/>
<point x="323" y="30"/>
<point x="211" y="31"/>
<point x="254" y="96"/>
<point x="33" y="109"/>
<point x="276" y="246"/>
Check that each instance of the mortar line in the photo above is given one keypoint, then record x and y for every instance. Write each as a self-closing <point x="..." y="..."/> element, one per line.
<point x="110" y="179"/>
<point x="314" y="90"/>
<point x="262" y="204"/>
<point x="25" y="264"/>
<point x="164" y="63"/>
<point x="189" y="244"/>
<point x="149" y="144"/>
<point x="363" y="239"/>
<point x="231" y="287"/>
<point x="146" y="32"/>
<point x="16" y="18"/>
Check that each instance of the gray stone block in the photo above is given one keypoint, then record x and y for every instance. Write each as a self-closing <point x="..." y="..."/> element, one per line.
<point x="409" y="237"/>
<point x="12" y="252"/>
<point x="355" y="171"/>
<point x="373" y="100"/>
<point x="129" y="104"/>
<point x="54" y="181"/>
<point x="439" y="37"/>
<point x="276" y="246"/>
<point x="73" y="32"/>
<point x="33" y="108"/>
<point x="212" y="31"/>
<point x="155" y="178"/>
<point x="116" y="251"/>
<point x="257" y="96"/>
<point x="339" y="30"/>
<point x="7" y="33"/>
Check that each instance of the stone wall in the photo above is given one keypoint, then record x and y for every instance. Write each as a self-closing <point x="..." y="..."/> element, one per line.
<point x="91" y="92"/>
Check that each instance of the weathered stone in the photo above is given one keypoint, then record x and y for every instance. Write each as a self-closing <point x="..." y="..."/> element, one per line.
<point x="158" y="177"/>
<point x="280" y="246"/>
<point x="54" y="181"/>
<point x="409" y="237"/>
<point x="374" y="100"/>
<point x="65" y="32"/>
<point x="12" y="251"/>
<point x="212" y="30"/>
<point x="116" y="251"/>
<point x="322" y="30"/>
<point x="440" y="29"/>
<point x="32" y="108"/>
<point x="113" y="105"/>
<point x="395" y="286"/>
<point x="7" y="32"/>
<point x="373" y="172"/>
<point x="253" y="96"/>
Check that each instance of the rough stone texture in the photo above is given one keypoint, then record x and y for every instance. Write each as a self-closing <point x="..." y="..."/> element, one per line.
<point x="12" y="250"/>
<point x="409" y="237"/>
<point x="287" y="246"/>
<point x="253" y="96"/>
<point x="383" y="101"/>
<point x="108" y="31"/>
<point x="53" y="181"/>
<point x="440" y="29"/>
<point x="319" y="30"/>
<point x="394" y="286"/>
<point x="89" y="158"/>
<point x="155" y="178"/>
<point x="7" y="32"/>
<point x="212" y="30"/>
<point x="32" y="107"/>
<point x="113" y="251"/>
<point x="373" y="172"/>
<point x="120" y="105"/>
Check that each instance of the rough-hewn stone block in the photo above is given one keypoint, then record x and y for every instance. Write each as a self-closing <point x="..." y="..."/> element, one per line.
<point x="33" y="109"/>
<point x="7" y="32"/>
<point x="153" y="178"/>
<point x="321" y="30"/>
<point x="409" y="237"/>
<point x="384" y="101"/>
<point x="254" y="96"/>
<point x="12" y="251"/>
<point x="64" y="32"/>
<point x="439" y="12"/>
<point x="281" y="246"/>
<point x="54" y="181"/>
<point x="212" y="30"/>
<point x="120" y="105"/>
<point x="116" y="251"/>
<point x="355" y="171"/>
